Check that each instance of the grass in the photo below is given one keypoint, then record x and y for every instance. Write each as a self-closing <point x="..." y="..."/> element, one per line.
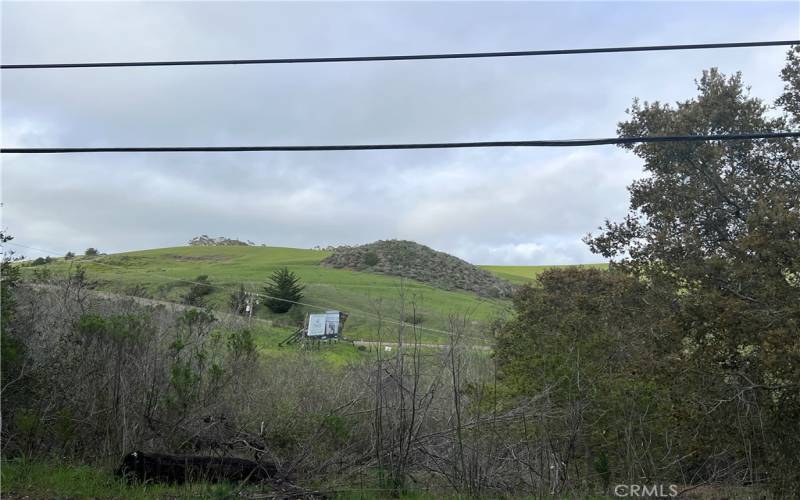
<point x="24" y="479"/>
<point x="338" y="354"/>
<point x="522" y="275"/>
<point x="45" y="480"/>
<point x="360" y="294"/>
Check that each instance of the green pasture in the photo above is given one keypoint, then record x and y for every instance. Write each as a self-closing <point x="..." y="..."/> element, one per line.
<point x="162" y="274"/>
<point x="521" y="275"/>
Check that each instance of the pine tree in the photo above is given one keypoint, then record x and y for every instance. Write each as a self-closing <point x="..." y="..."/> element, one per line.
<point x="284" y="288"/>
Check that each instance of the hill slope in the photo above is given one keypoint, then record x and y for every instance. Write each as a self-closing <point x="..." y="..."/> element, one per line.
<point x="158" y="273"/>
<point x="161" y="273"/>
<point x="411" y="260"/>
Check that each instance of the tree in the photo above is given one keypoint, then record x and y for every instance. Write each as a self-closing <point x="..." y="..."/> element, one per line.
<point x="91" y="252"/>
<point x="715" y="228"/>
<point x="238" y="301"/>
<point x="577" y="338"/>
<point x="69" y="256"/>
<point x="282" y="289"/>
<point x="200" y="289"/>
<point x="11" y="349"/>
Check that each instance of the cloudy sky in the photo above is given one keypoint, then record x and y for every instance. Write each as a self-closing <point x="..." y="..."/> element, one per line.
<point x="501" y="206"/>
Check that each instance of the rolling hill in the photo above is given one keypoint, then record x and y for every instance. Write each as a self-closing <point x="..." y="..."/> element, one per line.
<point x="163" y="274"/>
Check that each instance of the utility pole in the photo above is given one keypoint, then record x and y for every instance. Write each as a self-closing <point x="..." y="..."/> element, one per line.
<point x="250" y="307"/>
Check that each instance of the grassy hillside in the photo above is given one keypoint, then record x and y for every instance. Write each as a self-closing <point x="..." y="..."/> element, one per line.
<point x="159" y="273"/>
<point x="521" y="275"/>
<point x="360" y="294"/>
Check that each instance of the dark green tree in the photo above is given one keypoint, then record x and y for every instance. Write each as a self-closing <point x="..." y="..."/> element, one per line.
<point x="91" y="252"/>
<point x="577" y="339"/>
<point x="284" y="288"/>
<point x="715" y="226"/>
<point x="69" y="255"/>
<point x="685" y="357"/>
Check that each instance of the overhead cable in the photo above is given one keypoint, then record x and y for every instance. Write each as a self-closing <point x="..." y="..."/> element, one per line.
<point x="436" y="145"/>
<point x="415" y="57"/>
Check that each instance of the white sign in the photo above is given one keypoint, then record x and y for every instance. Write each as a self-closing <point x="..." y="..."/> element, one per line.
<point x="316" y="325"/>
<point x="331" y="323"/>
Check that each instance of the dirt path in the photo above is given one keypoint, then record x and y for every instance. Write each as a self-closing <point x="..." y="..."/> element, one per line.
<point x="408" y="345"/>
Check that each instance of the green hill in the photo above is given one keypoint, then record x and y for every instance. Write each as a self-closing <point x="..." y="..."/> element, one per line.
<point x="162" y="274"/>
<point x="158" y="273"/>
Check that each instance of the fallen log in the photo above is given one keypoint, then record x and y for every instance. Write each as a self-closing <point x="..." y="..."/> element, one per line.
<point x="162" y="468"/>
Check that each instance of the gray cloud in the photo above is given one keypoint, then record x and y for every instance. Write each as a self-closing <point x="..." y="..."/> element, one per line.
<point x="488" y="206"/>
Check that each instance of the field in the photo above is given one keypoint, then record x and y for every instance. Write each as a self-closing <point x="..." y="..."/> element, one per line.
<point x="521" y="275"/>
<point x="164" y="274"/>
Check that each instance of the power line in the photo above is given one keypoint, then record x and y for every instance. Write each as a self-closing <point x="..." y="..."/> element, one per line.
<point x="435" y="145"/>
<point x="417" y="57"/>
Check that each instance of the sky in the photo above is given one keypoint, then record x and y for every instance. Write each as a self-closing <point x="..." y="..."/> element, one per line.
<point x="524" y="206"/>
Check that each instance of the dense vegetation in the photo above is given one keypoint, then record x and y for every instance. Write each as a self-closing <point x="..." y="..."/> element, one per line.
<point x="418" y="262"/>
<point x="683" y="362"/>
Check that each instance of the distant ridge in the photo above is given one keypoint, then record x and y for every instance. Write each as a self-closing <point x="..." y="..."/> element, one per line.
<point x="419" y="262"/>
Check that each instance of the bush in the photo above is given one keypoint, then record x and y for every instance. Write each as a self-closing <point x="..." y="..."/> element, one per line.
<point x="238" y="301"/>
<point x="197" y="293"/>
<point x="371" y="259"/>
<point x="91" y="252"/>
<point x="138" y="291"/>
<point x="69" y="256"/>
<point x="284" y="288"/>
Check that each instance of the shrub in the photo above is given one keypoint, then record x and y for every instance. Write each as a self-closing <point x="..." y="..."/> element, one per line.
<point x="69" y="256"/>
<point x="198" y="292"/>
<point x="238" y="301"/>
<point x="138" y="291"/>
<point x="91" y="252"/>
<point x="371" y="259"/>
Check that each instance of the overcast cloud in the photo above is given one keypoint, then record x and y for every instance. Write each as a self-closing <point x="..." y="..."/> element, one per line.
<point x="502" y="206"/>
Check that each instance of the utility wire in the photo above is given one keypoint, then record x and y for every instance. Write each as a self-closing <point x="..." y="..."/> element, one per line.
<point x="435" y="145"/>
<point x="417" y="57"/>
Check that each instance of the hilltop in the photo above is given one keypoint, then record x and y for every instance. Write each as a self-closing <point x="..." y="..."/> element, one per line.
<point x="207" y="241"/>
<point x="412" y="260"/>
